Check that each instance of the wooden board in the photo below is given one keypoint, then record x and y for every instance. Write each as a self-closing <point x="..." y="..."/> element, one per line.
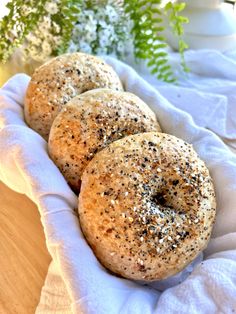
<point x="24" y="258"/>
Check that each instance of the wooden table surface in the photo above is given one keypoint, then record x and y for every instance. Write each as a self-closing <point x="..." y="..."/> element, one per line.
<point x="24" y="258"/>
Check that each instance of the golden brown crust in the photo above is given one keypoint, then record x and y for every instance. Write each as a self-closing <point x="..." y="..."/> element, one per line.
<point x="62" y="78"/>
<point x="89" y="122"/>
<point x="147" y="206"/>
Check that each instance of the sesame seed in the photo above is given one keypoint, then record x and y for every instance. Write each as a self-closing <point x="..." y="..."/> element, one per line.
<point x="140" y="261"/>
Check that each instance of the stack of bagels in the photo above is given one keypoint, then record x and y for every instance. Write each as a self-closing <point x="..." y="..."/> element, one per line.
<point x="146" y="200"/>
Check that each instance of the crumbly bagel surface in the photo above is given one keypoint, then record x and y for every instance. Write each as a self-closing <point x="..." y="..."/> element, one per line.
<point x="62" y="78"/>
<point x="147" y="206"/>
<point x="89" y="122"/>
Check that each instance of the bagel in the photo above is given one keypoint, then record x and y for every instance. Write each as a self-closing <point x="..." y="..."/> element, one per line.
<point x="89" y="122"/>
<point x="147" y="206"/>
<point x="62" y="78"/>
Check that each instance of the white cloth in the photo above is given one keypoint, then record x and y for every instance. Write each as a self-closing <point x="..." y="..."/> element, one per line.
<point x="76" y="281"/>
<point x="207" y="93"/>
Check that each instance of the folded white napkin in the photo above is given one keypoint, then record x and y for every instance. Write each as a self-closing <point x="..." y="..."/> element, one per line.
<point x="76" y="281"/>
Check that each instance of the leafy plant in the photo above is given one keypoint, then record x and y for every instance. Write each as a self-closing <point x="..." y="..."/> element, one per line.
<point x="69" y="16"/>
<point x="45" y="28"/>
<point x="148" y="27"/>
<point x="176" y="22"/>
<point x="22" y="18"/>
<point x="102" y="28"/>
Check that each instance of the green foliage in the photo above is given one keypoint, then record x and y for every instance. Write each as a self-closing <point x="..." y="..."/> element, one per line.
<point x="149" y="41"/>
<point x="176" y="22"/>
<point x="69" y="10"/>
<point x="18" y="23"/>
<point x="147" y="19"/>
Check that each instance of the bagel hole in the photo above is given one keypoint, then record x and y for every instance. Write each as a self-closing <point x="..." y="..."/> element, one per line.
<point x="159" y="199"/>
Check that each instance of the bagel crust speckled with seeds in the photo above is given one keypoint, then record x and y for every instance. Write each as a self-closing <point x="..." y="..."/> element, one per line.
<point x="147" y="206"/>
<point x="89" y="122"/>
<point x="60" y="79"/>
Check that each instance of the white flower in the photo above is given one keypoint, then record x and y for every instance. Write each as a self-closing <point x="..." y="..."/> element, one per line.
<point x="101" y="51"/>
<point x="102" y="23"/>
<point x="36" y="54"/>
<point x="90" y="37"/>
<point x="91" y="25"/>
<point x="78" y="29"/>
<point x="56" y="27"/>
<point x="45" y="24"/>
<point x="106" y="35"/>
<point x="57" y="40"/>
<point x="103" y="40"/>
<point x="88" y="14"/>
<point x="26" y="10"/>
<point x="91" y="28"/>
<point x="100" y="30"/>
<point x="72" y="47"/>
<point x="84" y="33"/>
<point x="86" y="28"/>
<point x="84" y="47"/>
<point x="46" y="48"/>
<point x="35" y="40"/>
<point x="51" y="7"/>
<point x="33" y="50"/>
<point x="111" y="13"/>
<point x="100" y="14"/>
<point x="120" y="47"/>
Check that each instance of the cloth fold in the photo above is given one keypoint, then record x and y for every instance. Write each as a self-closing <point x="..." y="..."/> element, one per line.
<point x="207" y="93"/>
<point x="76" y="282"/>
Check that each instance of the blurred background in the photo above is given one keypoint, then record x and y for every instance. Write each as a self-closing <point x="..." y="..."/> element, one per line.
<point x="124" y="29"/>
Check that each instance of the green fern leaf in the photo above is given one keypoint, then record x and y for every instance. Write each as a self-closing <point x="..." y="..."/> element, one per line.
<point x="149" y="43"/>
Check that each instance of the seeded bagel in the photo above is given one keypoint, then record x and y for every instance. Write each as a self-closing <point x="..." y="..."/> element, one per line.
<point x="89" y="122"/>
<point x="147" y="206"/>
<point x="62" y="78"/>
